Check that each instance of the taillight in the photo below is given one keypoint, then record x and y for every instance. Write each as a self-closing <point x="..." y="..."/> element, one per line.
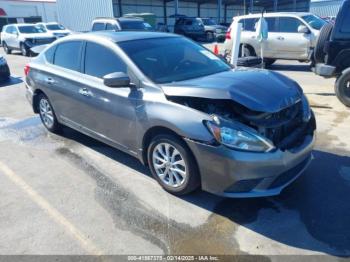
<point x="26" y="70"/>
<point x="228" y="33"/>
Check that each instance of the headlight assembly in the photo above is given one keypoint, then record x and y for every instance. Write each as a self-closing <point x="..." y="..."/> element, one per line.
<point x="237" y="136"/>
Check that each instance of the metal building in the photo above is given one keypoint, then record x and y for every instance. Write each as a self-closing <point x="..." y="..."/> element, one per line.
<point x="19" y="11"/>
<point x="78" y="14"/>
<point x="325" y="8"/>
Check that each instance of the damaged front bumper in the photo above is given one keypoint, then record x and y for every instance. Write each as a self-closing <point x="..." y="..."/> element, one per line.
<point x="240" y="174"/>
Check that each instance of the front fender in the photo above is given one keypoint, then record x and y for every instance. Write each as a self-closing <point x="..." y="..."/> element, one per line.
<point x="183" y="120"/>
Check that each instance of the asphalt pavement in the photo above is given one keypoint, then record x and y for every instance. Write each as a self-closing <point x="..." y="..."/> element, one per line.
<point x="70" y="194"/>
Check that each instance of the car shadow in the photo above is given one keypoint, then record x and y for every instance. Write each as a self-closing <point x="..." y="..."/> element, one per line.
<point x="311" y="214"/>
<point x="11" y="81"/>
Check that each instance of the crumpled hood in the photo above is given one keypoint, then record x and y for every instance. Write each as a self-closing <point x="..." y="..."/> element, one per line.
<point x="258" y="90"/>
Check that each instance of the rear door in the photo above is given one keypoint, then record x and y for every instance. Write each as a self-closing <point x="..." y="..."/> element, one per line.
<point x="287" y="42"/>
<point x="63" y="83"/>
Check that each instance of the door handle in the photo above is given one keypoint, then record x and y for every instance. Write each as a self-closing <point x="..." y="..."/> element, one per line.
<point x="85" y="92"/>
<point x="50" y="81"/>
<point x="280" y="38"/>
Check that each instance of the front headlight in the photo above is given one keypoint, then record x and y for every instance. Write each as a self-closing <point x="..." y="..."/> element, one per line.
<point x="237" y="136"/>
<point x="218" y="31"/>
<point x="306" y="109"/>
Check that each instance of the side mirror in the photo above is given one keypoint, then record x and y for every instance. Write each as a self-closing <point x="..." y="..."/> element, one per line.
<point x="117" y="79"/>
<point x="303" y="29"/>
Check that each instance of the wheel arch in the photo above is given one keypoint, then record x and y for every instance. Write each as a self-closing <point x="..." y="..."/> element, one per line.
<point x="36" y="96"/>
<point x="160" y="130"/>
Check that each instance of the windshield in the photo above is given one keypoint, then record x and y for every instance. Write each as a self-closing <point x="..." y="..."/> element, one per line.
<point x="135" y="25"/>
<point x="314" y="21"/>
<point x="207" y="21"/>
<point x="55" y="27"/>
<point x="31" y="29"/>
<point x="171" y="59"/>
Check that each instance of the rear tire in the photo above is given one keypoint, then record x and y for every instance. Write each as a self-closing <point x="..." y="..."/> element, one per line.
<point x="173" y="165"/>
<point x="47" y="114"/>
<point x="324" y="36"/>
<point x="6" y="48"/>
<point x="342" y="87"/>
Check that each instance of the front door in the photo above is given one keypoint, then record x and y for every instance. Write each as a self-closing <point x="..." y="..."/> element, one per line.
<point x="108" y="112"/>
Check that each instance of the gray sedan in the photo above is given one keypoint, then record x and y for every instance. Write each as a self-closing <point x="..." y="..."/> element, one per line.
<point x="178" y="108"/>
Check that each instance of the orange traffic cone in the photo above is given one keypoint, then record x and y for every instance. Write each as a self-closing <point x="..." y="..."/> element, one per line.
<point x="216" y="49"/>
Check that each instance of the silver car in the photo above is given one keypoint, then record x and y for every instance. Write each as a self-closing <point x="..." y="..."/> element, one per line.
<point x="178" y="108"/>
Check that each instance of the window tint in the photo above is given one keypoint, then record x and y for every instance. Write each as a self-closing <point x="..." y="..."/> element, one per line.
<point x="345" y="28"/>
<point x="100" y="61"/>
<point x="49" y="54"/>
<point x="272" y="24"/>
<point x="170" y="59"/>
<point x="188" y="22"/>
<point x="98" y="27"/>
<point x="248" y="24"/>
<point x="289" y="24"/>
<point x="68" y="55"/>
<point x="110" y="27"/>
<point x="9" y="29"/>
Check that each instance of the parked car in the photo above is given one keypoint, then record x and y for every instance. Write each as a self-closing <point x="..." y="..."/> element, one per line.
<point x="120" y="24"/>
<point x="178" y="108"/>
<point x="190" y="27"/>
<point x="332" y="53"/>
<point x="56" y="29"/>
<point x="4" y="69"/>
<point x="213" y="30"/>
<point x="23" y="37"/>
<point x="291" y="36"/>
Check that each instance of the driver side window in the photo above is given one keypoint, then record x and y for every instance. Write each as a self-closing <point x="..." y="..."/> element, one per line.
<point x="100" y="61"/>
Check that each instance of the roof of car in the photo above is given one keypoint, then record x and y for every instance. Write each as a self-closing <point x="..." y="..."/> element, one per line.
<point x="273" y="14"/>
<point x="119" y="36"/>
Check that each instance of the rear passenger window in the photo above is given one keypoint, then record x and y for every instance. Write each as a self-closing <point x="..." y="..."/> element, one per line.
<point x="49" y="54"/>
<point x="67" y="55"/>
<point x="289" y="24"/>
<point x="101" y="61"/>
<point x="98" y="27"/>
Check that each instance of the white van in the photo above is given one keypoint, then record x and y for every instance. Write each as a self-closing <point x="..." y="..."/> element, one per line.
<point x="291" y="36"/>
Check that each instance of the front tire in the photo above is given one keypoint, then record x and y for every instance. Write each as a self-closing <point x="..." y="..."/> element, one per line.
<point x="47" y="114"/>
<point x="209" y="36"/>
<point x="342" y="87"/>
<point x="172" y="165"/>
<point x="24" y="50"/>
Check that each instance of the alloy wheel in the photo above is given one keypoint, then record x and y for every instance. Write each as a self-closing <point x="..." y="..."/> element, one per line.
<point x="46" y="113"/>
<point x="169" y="165"/>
